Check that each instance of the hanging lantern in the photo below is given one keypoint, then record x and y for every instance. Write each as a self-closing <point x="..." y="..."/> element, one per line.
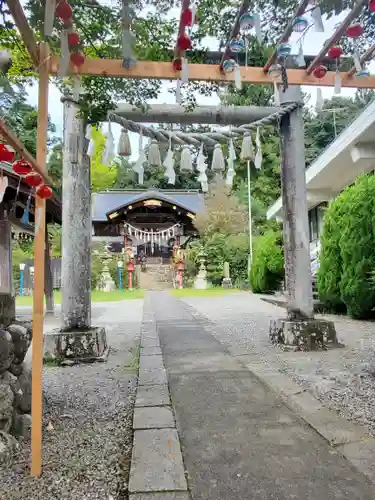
<point x="364" y="73"/>
<point x="77" y="58"/>
<point x="187" y="18"/>
<point x="334" y="52"/>
<point x="177" y="64"/>
<point x="355" y="30"/>
<point x="33" y="179"/>
<point x="64" y="11"/>
<point x="320" y="71"/>
<point x="283" y="50"/>
<point x="21" y="167"/>
<point x="6" y="154"/>
<point x="237" y="45"/>
<point x="371" y="5"/>
<point x="247" y="22"/>
<point x="300" y="23"/>
<point x="184" y="42"/>
<point x="229" y="65"/>
<point x="44" y="192"/>
<point x="73" y="39"/>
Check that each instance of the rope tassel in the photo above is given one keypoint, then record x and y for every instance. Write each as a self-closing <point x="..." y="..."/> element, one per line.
<point x="186" y="163"/>
<point x="169" y="166"/>
<point x="109" y="150"/>
<point x="259" y="155"/>
<point x="247" y="150"/>
<point x="154" y="159"/>
<point x="202" y="167"/>
<point x="124" y="147"/>
<point x="88" y="136"/>
<point x="218" y="161"/>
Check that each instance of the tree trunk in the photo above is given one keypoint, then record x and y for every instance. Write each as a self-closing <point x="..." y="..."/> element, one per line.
<point x="7" y="298"/>
<point x="76" y="224"/>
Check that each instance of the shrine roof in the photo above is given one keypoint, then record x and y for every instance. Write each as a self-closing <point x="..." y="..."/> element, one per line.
<point x="109" y="201"/>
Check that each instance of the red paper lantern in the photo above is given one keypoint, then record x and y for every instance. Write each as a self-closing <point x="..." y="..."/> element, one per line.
<point x="21" y="167"/>
<point x="320" y="71"/>
<point x="334" y="52"/>
<point x="354" y="30"/>
<point x="73" y="39"/>
<point x="44" y="192"/>
<point x="64" y="11"/>
<point x="184" y="42"/>
<point x="33" y="179"/>
<point x="6" y="154"/>
<point x="177" y="64"/>
<point x="187" y="17"/>
<point x="371" y="5"/>
<point x="77" y="58"/>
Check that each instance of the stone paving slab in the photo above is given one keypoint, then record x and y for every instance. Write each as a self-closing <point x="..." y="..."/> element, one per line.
<point x="362" y="456"/>
<point x="150" y="351"/>
<point x="176" y="495"/>
<point x="152" y="377"/>
<point x="150" y="341"/>
<point x="153" y="417"/>
<point x="156" y="462"/>
<point x="151" y="362"/>
<point x="152" y="395"/>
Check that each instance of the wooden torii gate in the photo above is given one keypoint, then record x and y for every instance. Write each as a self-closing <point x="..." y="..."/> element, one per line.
<point x="292" y="162"/>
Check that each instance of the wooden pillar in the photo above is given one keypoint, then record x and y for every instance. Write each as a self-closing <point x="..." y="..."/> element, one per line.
<point x="298" y="281"/>
<point x="48" y="281"/>
<point x="7" y="298"/>
<point x="39" y="252"/>
<point x="76" y="223"/>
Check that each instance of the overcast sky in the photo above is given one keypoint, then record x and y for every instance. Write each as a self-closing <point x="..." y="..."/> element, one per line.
<point x="312" y="43"/>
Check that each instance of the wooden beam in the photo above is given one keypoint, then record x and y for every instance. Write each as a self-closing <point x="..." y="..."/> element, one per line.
<point x="39" y="256"/>
<point x="235" y="30"/>
<point x="25" y="30"/>
<point x="369" y="54"/>
<point x="12" y="140"/>
<point x="288" y="31"/>
<point x="337" y="35"/>
<point x="200" y="72"/>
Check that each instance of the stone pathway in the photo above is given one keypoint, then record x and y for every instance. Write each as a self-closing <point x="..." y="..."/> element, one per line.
<point x="238" y="439"/>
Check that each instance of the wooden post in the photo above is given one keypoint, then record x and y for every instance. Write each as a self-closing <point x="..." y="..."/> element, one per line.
<point x="296" y="230"/>
<point x="7" y="299"/>
<point x="38" y="299"/>
<point x="48" y="280"/>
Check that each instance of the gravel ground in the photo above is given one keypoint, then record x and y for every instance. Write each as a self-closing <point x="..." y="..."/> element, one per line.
<point x="87" y="421"/>
<point x="343" y="379"/>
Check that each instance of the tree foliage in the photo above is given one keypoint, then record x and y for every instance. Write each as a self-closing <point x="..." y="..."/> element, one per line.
<point x="102" y="176"/>
<point x="267" y="267"/>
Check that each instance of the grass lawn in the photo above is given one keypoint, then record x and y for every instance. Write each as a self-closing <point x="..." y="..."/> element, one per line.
<point x="95" y="297"/>
<point x="209" y="292"/>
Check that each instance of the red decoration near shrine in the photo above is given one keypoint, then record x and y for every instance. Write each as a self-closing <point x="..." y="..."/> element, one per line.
<point x="184" y="42"/>
<point x="64" y="11"/>
<point x="77" y="58"/>
<point x="187" y="17"/>
<point x="334" y="52"/>
<point x="6" y="154"/>
<point x="371" y="5"/>
<point x="320" y="71"/>
<point x="34" y="179"/>
<point x="177" y="64"/>
<point x="355" y="30"/>
<point x="73" y="39"/>
<point x="44" y="192"/>
<point x="21" y="167"/>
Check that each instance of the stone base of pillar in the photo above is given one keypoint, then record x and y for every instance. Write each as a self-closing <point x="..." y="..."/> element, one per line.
<point x="226" y="283"/>
<point x="303" y="334"/>
<point x="76" y="346"/>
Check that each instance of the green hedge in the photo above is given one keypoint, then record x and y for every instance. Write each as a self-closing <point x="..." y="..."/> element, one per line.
<point x="267" y="267"/>
<point x="347" y="258"/>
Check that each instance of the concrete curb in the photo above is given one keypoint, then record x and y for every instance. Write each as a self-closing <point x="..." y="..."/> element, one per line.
<point x="351" y="440"/>
<point x="157" y="470"/>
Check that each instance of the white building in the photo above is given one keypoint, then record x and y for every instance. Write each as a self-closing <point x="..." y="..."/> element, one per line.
<point x="350" y="154"/>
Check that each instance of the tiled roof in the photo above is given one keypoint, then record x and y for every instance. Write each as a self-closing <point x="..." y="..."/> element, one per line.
<point x="108" y="201"/>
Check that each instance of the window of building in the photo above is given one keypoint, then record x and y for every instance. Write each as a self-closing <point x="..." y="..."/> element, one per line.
<point x="316" y="216"/>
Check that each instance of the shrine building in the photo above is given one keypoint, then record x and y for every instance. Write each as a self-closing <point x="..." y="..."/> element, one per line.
<point x="152" y="221"/>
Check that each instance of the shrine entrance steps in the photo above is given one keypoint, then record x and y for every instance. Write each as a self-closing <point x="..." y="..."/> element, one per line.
<point x="238" y="439"/>
<point x="157" y="276"/>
